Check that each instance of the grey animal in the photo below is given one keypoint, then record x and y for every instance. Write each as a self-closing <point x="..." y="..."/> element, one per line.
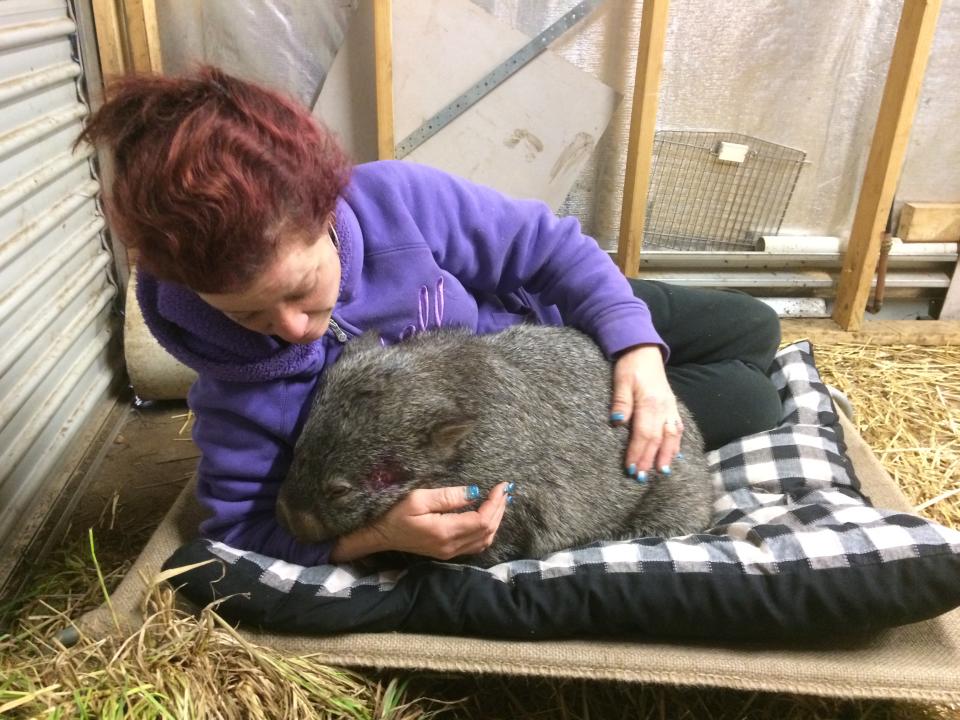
<point x="528" y="405"/>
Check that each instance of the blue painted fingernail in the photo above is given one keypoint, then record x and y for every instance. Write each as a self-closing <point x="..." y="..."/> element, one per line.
<point x="665" y="469"/>
<point x="617" y="417"/>
<point x="508" y="489"/>
<point x="632" y="470"/>
<point x="641" y="477"/>
<point x="473" y="492"/>
<point x="509" y="499"/>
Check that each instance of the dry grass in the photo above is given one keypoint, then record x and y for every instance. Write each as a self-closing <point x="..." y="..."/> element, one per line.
<point x="178" y="666"/>
<point x="175" y="666"/>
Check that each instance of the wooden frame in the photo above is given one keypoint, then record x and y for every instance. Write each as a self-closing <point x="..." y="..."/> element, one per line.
<point x="643" y="121"/>
<point x="383" y="62"/>
<point x="128" y="36"/>
<point x="143" y="35"/>
<point x="887" y="151"/>
<point x="110" y="44"/>
<point x="128" y="40"/>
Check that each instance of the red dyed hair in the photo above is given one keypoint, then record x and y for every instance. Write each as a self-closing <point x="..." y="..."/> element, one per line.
<point x="210" y="172"/>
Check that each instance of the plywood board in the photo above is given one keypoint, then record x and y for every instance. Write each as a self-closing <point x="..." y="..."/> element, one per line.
<point x="930" y="222"/>
<point x="876" y="332"/>
<point x="528" y="138"/>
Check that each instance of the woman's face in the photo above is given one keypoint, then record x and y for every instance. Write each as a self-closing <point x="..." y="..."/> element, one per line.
<point x="294" y="297"/>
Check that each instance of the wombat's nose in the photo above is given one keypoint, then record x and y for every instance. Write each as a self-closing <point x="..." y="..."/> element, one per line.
<point x="301" y="524"/>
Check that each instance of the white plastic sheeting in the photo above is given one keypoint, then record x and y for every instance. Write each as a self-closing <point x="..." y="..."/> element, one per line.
<point x="287" y="44"/>
<point x="807" y="74"/>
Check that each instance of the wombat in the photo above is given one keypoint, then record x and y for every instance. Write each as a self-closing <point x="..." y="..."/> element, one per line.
<point x="528" y="405"/>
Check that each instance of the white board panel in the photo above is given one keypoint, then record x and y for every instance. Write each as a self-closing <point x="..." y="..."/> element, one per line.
<point x="529" y="138"/>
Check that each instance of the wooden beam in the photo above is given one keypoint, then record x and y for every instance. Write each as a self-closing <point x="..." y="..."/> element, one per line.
<point x="951" y="303"/>
<point x="643" y="122"/>
<point x="929" y="222"/>
<point x="143" y="36"/>
<point x="383" y="60"/>
<point x="874" y="332"/>
<point x="900" y="94"/>
<point x="110" y="46"/>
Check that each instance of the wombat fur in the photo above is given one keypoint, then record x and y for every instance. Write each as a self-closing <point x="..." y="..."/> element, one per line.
<point x="528" y="405"/>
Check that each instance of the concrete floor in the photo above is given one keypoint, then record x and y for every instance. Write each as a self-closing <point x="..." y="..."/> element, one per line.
<point x="124" y="493"/>
<point x="143" y="470"/>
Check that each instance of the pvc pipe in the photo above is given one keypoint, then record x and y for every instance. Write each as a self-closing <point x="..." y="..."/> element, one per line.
<point x="799" y="244"/>
<point x="803" y="244"/>
<point x="899" y="247"/>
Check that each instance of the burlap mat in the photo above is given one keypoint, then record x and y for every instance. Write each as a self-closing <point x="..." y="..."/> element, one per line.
<point x="919" y="661"/>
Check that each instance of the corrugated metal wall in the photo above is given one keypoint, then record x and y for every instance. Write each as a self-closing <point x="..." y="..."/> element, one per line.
<point x="58" y="327"/>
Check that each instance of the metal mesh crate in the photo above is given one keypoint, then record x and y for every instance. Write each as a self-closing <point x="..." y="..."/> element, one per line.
<point x="699" y="202"/>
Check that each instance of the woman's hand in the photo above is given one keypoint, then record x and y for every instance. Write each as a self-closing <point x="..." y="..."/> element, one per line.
<point x="424" y="523"/>
<point x="643" y="398"/>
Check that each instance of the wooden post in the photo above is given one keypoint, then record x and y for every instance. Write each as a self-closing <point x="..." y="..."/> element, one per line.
<point x="128" y="36"/>
<point x="951" y="303"/>
<point x="643" y="120"/>
<point x="897" y="108"/>
<point x="143" y="36"/>
<point x="110" y="44"/>
<point x="383" y="60"/>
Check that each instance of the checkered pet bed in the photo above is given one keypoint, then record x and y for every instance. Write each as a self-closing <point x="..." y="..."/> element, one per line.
<point x="795" y="548"/>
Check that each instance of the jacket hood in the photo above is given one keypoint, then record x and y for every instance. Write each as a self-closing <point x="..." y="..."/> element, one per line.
<point x="206" y="340"/>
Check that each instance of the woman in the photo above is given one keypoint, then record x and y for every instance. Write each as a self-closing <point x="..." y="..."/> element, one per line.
<point x="261" y="252"/>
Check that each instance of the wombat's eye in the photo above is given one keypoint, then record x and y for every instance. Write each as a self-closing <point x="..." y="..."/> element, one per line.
<point x="338" y="489"/>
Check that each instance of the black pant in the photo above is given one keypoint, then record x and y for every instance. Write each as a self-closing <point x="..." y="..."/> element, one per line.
<point x="721" y="346"/>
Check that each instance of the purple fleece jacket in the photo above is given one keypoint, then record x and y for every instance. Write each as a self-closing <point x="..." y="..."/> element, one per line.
<point x="419" y="248"/>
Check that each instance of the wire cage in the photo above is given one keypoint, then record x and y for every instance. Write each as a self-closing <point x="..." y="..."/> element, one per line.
<point x="703" y="197"/>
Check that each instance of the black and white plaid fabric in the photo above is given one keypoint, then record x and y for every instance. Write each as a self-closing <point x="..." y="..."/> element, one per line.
<point x="790" y="526"/>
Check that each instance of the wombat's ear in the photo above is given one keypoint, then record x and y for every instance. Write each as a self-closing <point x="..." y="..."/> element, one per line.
<point x="366" y="342"/>
<point x="446" y="435"/>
